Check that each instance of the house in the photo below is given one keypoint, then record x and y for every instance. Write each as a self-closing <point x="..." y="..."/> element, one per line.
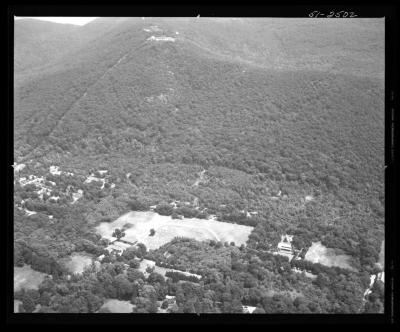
<point x="248" y="309"/>
<point x="117" y="247"/>
<point x="54" y="170"/>
<point x="110" y="239"/>
<point x="285" y="246"/>
<point x="18" y="167"/>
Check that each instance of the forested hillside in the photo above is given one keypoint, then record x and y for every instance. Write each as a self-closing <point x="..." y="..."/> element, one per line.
<point x="284" y="118"/>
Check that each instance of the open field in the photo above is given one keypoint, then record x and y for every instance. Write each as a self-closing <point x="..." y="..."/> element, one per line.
<point x="77" y="262"/>
<point x="318" y="253"/>
<point x="117" y="306"/>
<point x="166" y="228"/>
<point x="26" y="277"/>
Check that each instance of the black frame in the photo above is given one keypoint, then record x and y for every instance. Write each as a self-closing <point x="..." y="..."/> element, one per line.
<point x="391" y="97"/>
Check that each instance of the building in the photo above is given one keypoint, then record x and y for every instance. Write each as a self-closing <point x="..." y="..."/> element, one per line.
<point x="248" y="309"/>
<point x="161" y="38"/>
<point x="285" y="247"/>
<point x="117" y="247"/>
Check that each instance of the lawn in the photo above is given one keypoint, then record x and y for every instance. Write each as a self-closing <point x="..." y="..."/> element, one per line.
<point x="166" y="228"/>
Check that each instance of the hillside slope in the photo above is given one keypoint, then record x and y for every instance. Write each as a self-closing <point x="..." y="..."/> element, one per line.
<point x="285" y="118"/>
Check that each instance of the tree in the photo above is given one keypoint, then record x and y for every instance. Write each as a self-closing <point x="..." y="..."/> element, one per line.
<point x="175" y="215"/>
<point x="130" y="253"/>
<point x="137" y="205"/>
<point x="164" y="305"/>
<point x="142" y="248"/>
<point x="123" y="286"/>
<point x="45" y="298"/>
<point x="259" y="310"/>
<point x="164" y="209"/>
<point x="150" y="269"/>
<point x="152" y="232"/>
<point x="134" y="263"/>
<point x="155" y="277"/>
<point x="134" y="275"/>
<point x="28" y="304"/>
<point x="118" y="233"/>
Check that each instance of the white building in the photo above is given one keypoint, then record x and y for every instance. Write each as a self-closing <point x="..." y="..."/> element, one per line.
<point x="18" y="167"/>
<point x="161" y="38"/>
<point x="55" y="170"/>
<point x="248" y="309"/>
<point x="285" y="246"/>
<point x="77" y="195"/>
<point x="30" y="213"/>
<point x="118" y="247"/>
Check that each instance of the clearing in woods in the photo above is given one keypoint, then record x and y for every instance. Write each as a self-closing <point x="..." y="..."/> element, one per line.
<point x="166" y="228"/>
<point x="77" y="262"/>
<point x="118" y="306"/>
<point x="318" y="253"/>
<point x="27" y="278"/>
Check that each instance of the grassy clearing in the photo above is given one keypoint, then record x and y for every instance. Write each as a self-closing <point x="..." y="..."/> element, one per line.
<point x="318" y="253"/>
<point x="26" y="277"/>
<point x="167" y="228"/>
<point x="117" y="306"/>
<point x="76" y="263"/>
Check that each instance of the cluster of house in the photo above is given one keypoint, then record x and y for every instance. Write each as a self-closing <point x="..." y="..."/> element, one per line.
<point x="55" y="170"/>
<point x="92" y="178"/>
<point x="39" y="183"/>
